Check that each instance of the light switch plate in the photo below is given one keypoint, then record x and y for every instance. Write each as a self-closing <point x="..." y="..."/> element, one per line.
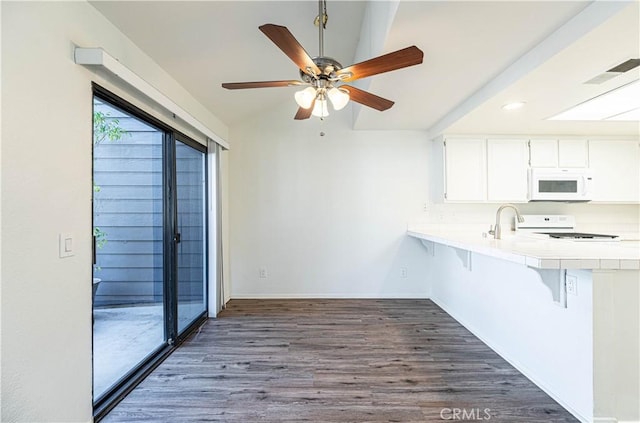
<point x="65" y="245"/>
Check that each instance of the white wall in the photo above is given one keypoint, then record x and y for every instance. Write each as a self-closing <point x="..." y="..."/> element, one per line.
<point x="46" y="190"/>
<point x="326" y="216"/>
<point x="510" y="309"/>
<point x="616" y="295"/>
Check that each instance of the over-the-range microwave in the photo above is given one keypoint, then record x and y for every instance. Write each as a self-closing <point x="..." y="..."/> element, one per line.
<point x="560" y="184"/>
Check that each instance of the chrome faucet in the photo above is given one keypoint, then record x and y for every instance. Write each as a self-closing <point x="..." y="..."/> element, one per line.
<point x="496" y="231"/>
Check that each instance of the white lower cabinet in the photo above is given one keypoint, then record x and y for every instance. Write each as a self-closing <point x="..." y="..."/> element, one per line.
<point x="507" y="164"/>
<point x="616" y="170"/>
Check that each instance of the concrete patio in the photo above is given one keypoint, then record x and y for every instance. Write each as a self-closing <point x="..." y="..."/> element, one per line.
<point x="122" y="338"/>
<point x="125" y="336"/>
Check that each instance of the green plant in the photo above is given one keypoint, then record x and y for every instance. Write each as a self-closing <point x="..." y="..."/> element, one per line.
<point x="104" y="128"/>
<point x="101" y="237"/>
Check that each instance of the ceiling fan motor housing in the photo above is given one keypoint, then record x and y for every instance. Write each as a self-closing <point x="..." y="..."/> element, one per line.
<point x="328" y="65"/>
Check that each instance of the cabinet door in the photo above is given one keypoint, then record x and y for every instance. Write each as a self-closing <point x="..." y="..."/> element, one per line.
<point x="465" y="170"/>
<point x="616" y="170"/>
<point x="507" y="170"/>
<point x="543" y="153"/>
<point x="572" y="153"/>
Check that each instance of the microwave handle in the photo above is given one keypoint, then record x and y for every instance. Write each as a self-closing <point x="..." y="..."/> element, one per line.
<point x="584" y="185"/>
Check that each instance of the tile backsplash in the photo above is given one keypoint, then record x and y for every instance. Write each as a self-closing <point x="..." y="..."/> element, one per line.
<point x="621" y="219"/>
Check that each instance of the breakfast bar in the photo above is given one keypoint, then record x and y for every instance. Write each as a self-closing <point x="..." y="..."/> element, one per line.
<point x="581" y="344"/>
<point x="537" y="251"/>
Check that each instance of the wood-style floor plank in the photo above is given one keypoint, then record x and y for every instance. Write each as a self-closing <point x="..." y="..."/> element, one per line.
<point x="335" y="361"/>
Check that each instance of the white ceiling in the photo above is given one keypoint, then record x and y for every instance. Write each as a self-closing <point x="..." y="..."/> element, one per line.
<point x="467" y="45"/>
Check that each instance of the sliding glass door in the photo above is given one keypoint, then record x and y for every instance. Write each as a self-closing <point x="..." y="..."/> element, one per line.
<point x="128" y="272"/>
<point x="191" y="226"/>
<point x="149" y="227"/>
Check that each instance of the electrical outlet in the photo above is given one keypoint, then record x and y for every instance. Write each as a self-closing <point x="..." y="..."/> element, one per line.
<point x="572" y="285"/>
<point x="263" y="273"/>
<point x="403" y="272"/>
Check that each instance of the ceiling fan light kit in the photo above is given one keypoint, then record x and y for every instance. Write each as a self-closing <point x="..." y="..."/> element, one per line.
<point x="306" y="97"/>
<point x="321" y="75"/>
<point x="339" y="98"/>
<point x="320" y="108"/>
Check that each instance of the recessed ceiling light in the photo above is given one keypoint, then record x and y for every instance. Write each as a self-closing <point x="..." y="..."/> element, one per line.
<point x="513" y="106"/>
<point x="615" y="103"/>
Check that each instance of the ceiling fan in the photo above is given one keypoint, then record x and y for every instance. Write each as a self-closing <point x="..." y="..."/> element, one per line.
<point x="324" y="77"/>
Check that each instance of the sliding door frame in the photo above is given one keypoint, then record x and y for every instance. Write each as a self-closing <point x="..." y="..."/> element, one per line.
<point x="172" y="338"/>
<point x="174" y="281"/>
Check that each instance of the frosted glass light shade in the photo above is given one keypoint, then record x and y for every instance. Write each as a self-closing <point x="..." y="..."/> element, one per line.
<point x="339" y="98"/>
<point x="617" y="102"/>
<point x="305" y="97"/>
<point x="320" y="109"/>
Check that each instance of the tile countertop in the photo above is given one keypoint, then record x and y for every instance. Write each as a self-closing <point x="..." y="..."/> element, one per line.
<point x="536" y="251"/>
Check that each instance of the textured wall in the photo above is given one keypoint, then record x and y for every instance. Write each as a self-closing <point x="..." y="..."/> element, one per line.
<point x="324" y="216"/>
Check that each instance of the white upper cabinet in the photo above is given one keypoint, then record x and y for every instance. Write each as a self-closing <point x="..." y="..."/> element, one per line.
<point x="573" y="153"/>
<point x="616" y="170"/>
<point x="465" y="170"/>
<point x="495" y="170"/>
<point x="507" y="164"/>
<point x="543" y="153"/>
<point x="558" y="153"/>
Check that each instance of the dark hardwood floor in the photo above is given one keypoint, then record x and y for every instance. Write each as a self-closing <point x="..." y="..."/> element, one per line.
<point x="335" y="361"/>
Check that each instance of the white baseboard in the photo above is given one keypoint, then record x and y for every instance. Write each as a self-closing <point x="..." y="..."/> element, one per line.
<point x="612" y="420"/>
<point x="325" y="296"/>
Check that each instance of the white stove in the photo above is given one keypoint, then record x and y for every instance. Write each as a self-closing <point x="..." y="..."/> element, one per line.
<point x="558" y="226"/>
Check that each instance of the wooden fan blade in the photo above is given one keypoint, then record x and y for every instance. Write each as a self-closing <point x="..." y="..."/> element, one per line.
<point x="281" y="37"/>
<point x="303" y="114"/>
<point x="367" y="99"/>
<point x="260" y="84"/>
<point x="397" y="60"/>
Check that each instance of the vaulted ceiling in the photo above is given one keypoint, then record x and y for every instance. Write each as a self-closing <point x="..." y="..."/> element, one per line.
<point x="478" y="54"/>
